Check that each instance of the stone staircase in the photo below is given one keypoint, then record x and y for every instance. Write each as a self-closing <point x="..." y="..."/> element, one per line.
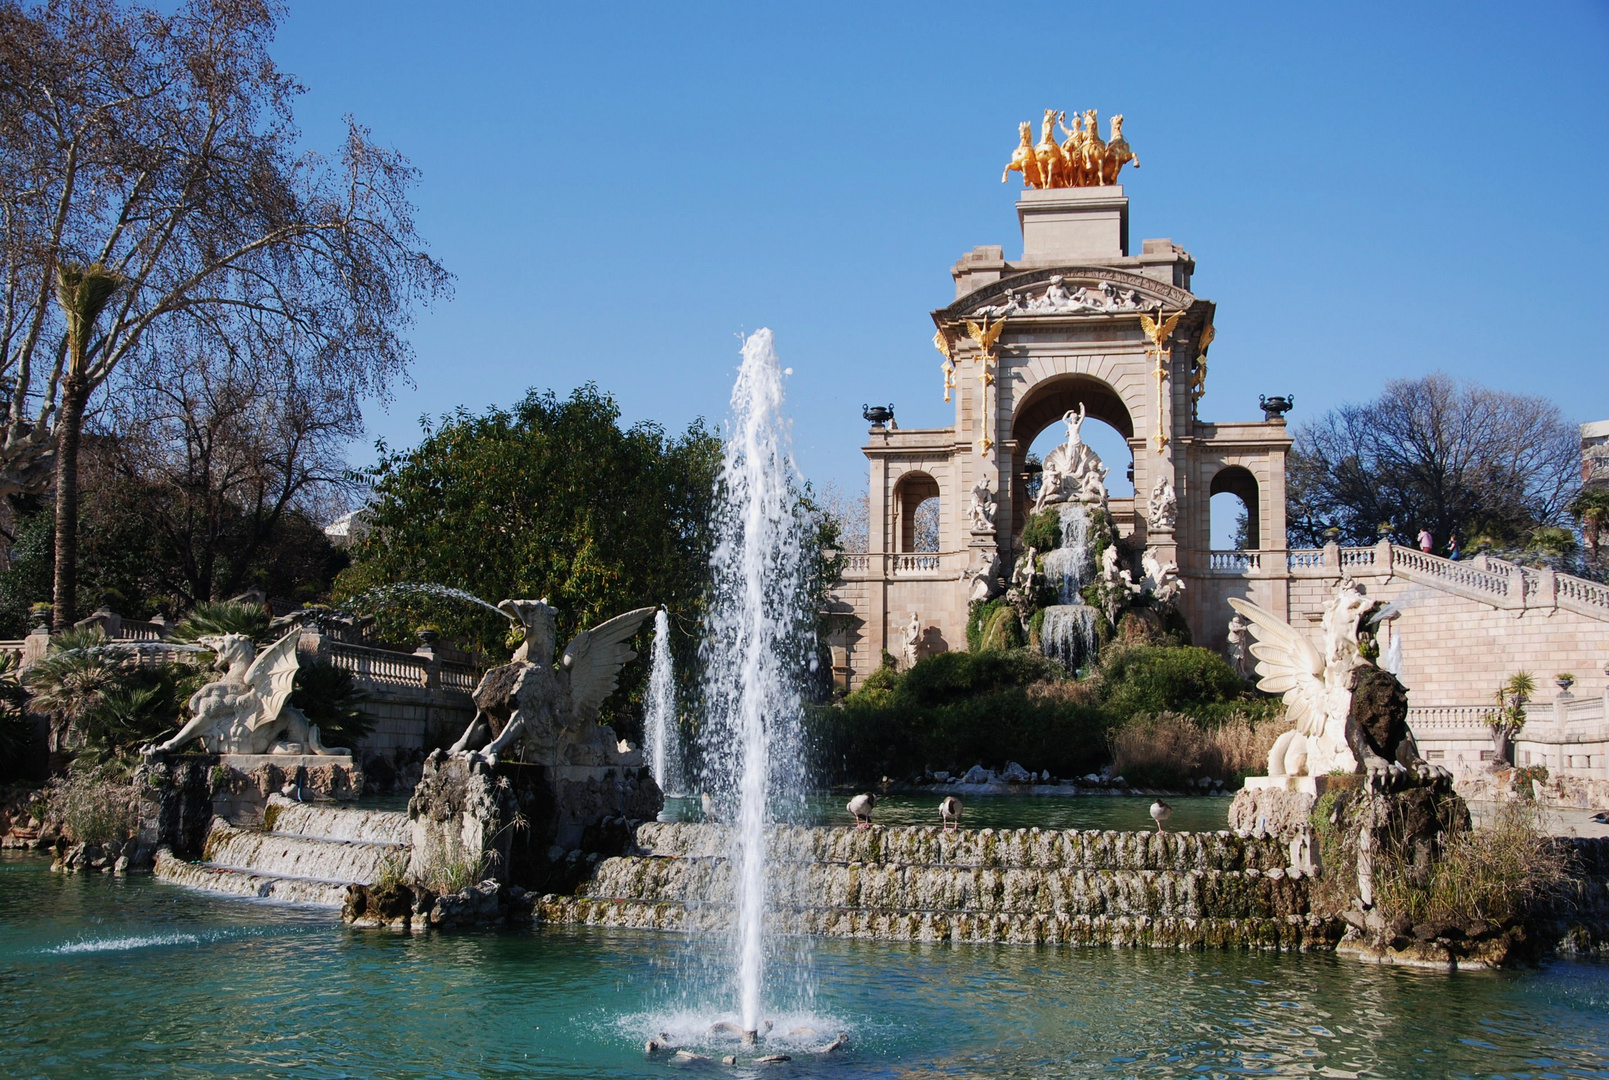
<point x="305" y="853"/>
<point x="1183" y="890"/>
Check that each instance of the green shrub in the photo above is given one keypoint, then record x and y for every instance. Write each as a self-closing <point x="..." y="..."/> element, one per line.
<point x="1043" y="531"/>
<point x="1149" y="679"/>
<point x="955" y="710"/>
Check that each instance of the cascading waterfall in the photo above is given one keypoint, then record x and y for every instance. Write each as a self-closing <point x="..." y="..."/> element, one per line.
<point x="1070" y="566"/>
<point x="1067" y="634"/>
<point x="660" y="730"/>
<point x="757" y="639"/>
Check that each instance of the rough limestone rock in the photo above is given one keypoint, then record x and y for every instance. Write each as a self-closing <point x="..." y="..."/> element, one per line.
<point x="534" y="826"/>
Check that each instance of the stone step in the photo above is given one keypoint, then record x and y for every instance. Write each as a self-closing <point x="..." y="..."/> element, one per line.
<point x="1023" y="848"/>
<point x="325" y="822"/>
<point x="277" y="854"/>
<point x="235" y="881"/>
<point x="1288" y="933"/>
<point x="980" y="891"/>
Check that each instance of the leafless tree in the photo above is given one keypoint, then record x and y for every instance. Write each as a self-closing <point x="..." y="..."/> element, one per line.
<point x="1434" y="453"/>
<point x="160" y="144"/>
<point x="848" y="512"/>
<point x="217" y="452"/>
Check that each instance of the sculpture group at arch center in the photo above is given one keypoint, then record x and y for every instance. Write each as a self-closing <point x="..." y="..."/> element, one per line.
<point x="1072" y="472"/>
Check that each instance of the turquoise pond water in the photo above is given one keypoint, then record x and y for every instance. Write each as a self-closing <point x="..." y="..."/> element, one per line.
<point x="102" y="977"/>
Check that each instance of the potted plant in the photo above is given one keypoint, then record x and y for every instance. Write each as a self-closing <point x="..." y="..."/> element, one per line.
<point x="1332" y="535"/>
<point x="41" y="613"/>
<point x="1386" y="529"/>
<point x="1565" y="681"/>
<point x="428" y="635"/>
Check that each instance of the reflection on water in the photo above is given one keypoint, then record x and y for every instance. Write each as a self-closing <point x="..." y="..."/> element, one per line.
<point x="1191" y="813"/>
<point x="107" y="978"/>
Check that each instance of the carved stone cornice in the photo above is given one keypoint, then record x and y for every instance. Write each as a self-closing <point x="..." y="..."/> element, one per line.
<point x="995" y="293"/>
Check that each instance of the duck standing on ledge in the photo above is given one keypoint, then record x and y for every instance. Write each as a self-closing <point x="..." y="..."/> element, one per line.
<point x="1160" y="812"/>
<point x="950" y="812"/>
<point x="861" y="806"/>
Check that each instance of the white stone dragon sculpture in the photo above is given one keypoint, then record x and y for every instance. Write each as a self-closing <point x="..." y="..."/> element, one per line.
<point x="1316" y="686"/>
<point x="248" y="710"/>
<point x="552" y="708"/>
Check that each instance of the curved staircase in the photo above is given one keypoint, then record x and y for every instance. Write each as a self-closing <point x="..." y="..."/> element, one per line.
<point x="305" y="853"/>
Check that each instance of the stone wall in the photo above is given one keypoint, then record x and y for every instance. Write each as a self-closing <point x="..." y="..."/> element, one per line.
<point x="1179" y="890"/>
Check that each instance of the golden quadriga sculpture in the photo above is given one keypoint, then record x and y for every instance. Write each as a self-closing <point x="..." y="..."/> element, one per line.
<point x="1080" y="160"/>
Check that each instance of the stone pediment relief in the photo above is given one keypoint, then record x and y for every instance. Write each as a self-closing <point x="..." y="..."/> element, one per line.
<point x="1089" y="290"/>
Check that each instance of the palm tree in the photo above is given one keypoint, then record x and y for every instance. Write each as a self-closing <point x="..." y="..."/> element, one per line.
<point x="83" y="293"/>
<point x="1509" y="716"/>
<point x="1591" y="508"/>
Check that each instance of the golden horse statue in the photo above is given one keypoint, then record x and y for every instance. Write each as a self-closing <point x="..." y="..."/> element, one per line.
<point x="1024" y="160"/>
<point x="1118" y="153"/>
<point x="1082" y="160"/>
<point x="1094" y="151"/>
<point x="1051" y="166"/>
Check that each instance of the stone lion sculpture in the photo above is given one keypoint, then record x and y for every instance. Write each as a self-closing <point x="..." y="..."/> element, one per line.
<point x="552" y="708"/>
<point x="248" y="710"/>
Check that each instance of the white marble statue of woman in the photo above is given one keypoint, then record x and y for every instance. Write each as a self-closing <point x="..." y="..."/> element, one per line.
<point x="913" y="640"/>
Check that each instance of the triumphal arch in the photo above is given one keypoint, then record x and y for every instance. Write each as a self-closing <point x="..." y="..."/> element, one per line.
<point x="1080" y="323"/>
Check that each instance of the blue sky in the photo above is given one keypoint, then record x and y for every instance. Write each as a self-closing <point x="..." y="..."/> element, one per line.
<point x="1370" y="191"/>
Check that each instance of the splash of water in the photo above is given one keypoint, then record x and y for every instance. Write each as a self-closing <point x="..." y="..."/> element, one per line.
<point x="757" y="637"/>
<point x="381" y="595"/>
<point x="664" y="749"/>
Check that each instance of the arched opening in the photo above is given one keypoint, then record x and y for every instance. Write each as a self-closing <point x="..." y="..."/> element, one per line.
<point x="1235" y="525"/>
<point x="1037" y="429"/>
<point x="916" y="513"/>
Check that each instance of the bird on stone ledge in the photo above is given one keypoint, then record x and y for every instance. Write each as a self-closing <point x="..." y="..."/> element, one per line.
<point x="1160" y="812"/>
<point x="950" y="812"/>
<point x="861" y="806"/>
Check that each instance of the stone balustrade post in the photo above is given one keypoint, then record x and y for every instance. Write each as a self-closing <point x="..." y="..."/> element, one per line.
<point x="314" y="646"/>
<point x="1547" y="589"/>
<point x="1332" y="555"/>
<point x="430" y="678"/>
<point x="1383" y="555"/>
<point x="35" y="646"/>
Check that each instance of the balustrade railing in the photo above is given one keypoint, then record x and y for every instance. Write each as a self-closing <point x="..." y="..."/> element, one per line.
<point x="1447" y="718"/>
<point x="1234" y="560"/>
<point x="1304" y="558"/>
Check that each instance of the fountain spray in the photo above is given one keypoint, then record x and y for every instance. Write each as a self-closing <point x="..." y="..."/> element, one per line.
<point x="757" y="637"/>
<point x="664" y="749"/>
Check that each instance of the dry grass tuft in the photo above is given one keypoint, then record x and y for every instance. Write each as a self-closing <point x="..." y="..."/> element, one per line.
<point x="1169" y="750"/>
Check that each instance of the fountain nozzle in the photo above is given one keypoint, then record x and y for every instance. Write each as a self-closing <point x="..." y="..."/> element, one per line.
<point x="750" y="1038"/>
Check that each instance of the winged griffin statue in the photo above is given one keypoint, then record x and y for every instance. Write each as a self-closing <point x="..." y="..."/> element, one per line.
<point x="552" y="708"/>
<point x="248" y="710"/>
<point x="1350" y="715"/>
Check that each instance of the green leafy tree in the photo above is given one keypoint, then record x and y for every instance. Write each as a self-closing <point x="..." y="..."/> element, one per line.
<point x="554" y="499"/>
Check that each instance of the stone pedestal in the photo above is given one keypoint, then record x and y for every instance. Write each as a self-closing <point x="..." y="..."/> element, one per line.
<point x="1071" y="224"/>
<point x="536" y="826"/>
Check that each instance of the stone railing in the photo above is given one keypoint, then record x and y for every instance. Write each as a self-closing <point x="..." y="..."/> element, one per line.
<point x="1487" y="580"/>
<point x="876" y="565"/>
<point x="381" y="669"/>
<point x="1439" y="719"/>
<point x="1234" y="561"/>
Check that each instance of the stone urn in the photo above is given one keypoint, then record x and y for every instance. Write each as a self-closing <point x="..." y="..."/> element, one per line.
<point x="428" y="636"/>
<point x="1564" y="683"/>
